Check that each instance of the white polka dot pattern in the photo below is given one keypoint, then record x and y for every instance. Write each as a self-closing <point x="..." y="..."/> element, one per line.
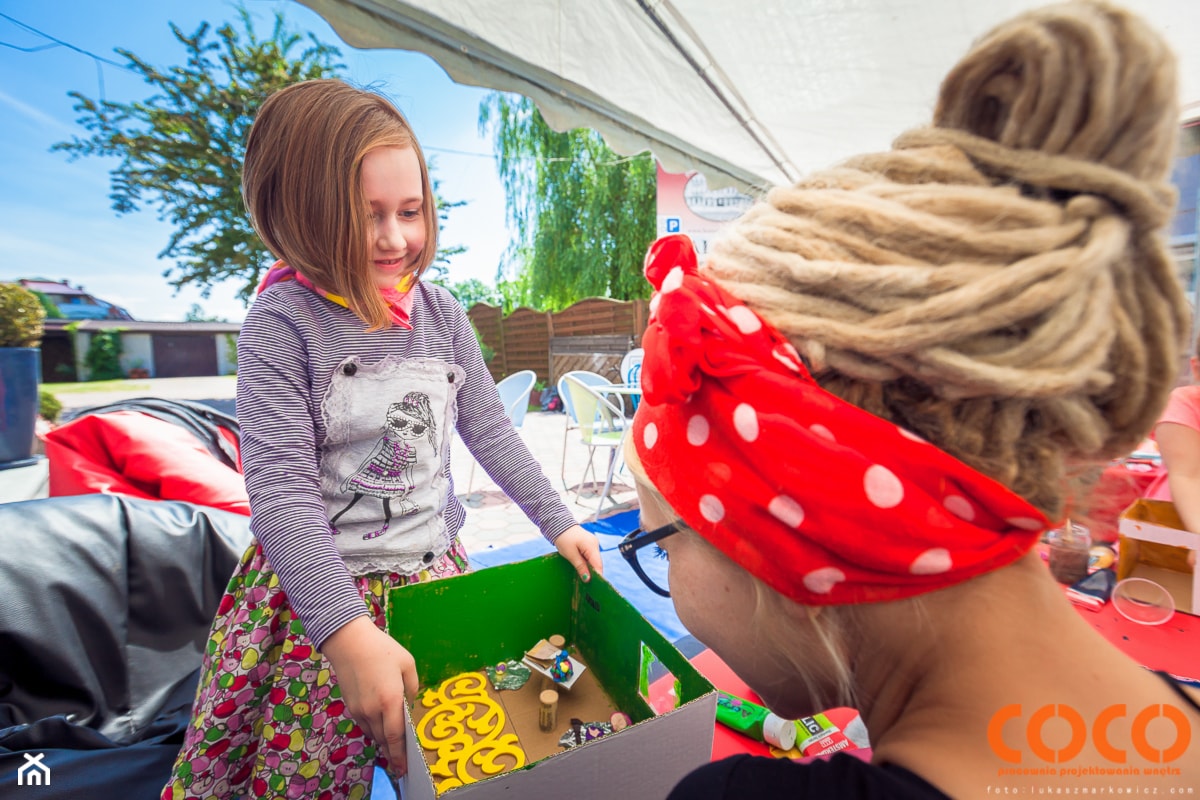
<point x="787" y="362"/>
<point x="787" y="511"/>
<point x="822" y="581"/>
<point x="823" y="432"/>
<point x="650" y="435"/>
<point x="673" y="280"/>
<point x="745" y="421"/>
<point x="883" y="488"/>
<point x="934" y="561"/>
<point x="711" y="508"/>
<point x="959" y="506"/>
<point x="746" y="320"/>
<point x="1025" y="523"/>
<point x="697" y="430"/>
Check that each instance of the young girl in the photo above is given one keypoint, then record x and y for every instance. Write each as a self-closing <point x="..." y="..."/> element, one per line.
<point x="352" y="373"/>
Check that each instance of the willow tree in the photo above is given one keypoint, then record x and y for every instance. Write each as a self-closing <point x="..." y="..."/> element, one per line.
<point x="581" y="215"/>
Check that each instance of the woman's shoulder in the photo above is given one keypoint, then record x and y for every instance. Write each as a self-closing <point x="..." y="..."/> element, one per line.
<point x="842" y="776"/>
<point x="1189" y="394"/>
<point x="1183" y="407"/>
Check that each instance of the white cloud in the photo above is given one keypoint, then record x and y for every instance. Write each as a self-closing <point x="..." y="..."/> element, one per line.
<point x="42" y="119"/>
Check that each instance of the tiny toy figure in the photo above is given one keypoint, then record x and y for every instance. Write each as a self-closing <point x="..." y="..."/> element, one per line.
<point x="562" y="668"/>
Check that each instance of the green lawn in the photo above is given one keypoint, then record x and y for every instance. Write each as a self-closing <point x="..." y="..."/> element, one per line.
<point x="83" y="387"/>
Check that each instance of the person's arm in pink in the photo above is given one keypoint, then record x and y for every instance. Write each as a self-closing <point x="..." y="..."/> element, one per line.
<point x="1180" y="448"/>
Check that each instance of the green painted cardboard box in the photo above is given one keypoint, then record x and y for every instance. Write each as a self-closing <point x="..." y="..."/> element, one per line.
<point x="464" y="623"/>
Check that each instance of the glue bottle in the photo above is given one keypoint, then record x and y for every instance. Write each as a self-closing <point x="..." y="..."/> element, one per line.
<point x="755" y="721"/>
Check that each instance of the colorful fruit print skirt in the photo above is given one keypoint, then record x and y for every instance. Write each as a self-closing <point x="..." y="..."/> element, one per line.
<point x="269" y="721"/>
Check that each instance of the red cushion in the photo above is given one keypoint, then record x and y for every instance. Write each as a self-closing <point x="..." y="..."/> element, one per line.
<point x="126" y="452"/>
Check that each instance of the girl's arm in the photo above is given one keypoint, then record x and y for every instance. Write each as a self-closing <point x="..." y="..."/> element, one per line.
<point x="280" y="462"/>
<point x="376" y="674"/>
<point x="489" y="435"/>
<point x="1180" y="448"/>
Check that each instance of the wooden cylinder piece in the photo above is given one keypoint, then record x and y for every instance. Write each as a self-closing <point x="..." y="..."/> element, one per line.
<point x="548" y="711"/>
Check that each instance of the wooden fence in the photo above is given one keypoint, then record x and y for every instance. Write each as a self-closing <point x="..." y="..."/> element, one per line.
<point x="592" y="334"/>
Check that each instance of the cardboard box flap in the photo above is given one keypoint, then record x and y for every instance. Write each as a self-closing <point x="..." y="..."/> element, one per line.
<point x="1158" y="512"/>
<point x="1157" y="521"/>
<point x="1154" y="545"/>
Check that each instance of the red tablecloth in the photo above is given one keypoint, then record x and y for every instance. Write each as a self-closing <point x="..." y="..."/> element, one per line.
<point x="1173" y="646"/>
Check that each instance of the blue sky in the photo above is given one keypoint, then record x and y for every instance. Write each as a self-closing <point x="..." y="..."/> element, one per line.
<point x="55" y="216"/>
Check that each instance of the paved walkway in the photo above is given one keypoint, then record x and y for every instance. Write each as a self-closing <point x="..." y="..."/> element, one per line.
<point x="493" y="521"/>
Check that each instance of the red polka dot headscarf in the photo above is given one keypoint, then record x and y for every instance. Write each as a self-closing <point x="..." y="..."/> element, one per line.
<point x="823" y="501"/>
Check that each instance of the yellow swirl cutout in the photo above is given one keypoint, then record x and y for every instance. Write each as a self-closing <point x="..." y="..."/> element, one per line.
<point x="464" y="726"/>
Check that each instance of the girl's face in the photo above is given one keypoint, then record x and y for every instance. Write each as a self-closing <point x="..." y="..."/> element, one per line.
<point x="395" y="193"/>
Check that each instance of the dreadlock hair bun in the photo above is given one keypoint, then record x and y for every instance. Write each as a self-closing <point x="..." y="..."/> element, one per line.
<point x="998" y="282"/>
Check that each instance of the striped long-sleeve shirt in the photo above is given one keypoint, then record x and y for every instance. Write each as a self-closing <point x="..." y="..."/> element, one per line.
<point x="290" y="345"/>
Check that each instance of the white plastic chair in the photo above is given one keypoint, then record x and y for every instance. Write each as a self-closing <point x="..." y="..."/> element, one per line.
<point x="514" y="393"/>
<point x="601" y="423"/>
<point x="631" y="371"/>
<point x="591" y="379"/>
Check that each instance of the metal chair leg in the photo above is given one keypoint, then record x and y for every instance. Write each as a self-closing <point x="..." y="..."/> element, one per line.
<point x="563" y="473"/>
<point x="612" y="457"/>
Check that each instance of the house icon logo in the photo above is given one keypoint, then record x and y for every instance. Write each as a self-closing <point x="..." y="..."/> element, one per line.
<point x="33" y="772"/>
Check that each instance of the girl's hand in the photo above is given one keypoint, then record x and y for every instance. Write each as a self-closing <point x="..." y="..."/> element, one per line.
<point x="581" y="549"/>
<point x="375" y="674"/>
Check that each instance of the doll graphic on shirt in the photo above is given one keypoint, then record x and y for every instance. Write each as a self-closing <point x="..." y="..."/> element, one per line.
<point x="387" y="472"/>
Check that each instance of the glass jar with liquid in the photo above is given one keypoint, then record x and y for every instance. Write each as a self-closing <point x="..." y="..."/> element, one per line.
<point x="1070" y="549"/>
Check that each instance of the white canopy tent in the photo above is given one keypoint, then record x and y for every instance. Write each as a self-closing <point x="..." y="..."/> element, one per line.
<point x="753" y="93"/>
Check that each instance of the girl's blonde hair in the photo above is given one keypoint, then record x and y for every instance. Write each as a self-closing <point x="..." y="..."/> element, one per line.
<point x="302" y="185"/>
<point x="998" y="283"/>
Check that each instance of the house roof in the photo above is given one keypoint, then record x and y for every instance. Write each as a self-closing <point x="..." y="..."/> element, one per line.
<point x="52" y="287"/>
<point x="134" y="326"/>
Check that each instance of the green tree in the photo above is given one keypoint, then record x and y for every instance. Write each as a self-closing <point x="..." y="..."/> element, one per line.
<point x="51" y="308"/>
<point x="582" y="215"/>
<point x="182" y="148"/>
<point x="196" y="313"/>
<point x="437" y="271"/>
<point x="103" y="357"/>
<point x="472" y="291"/>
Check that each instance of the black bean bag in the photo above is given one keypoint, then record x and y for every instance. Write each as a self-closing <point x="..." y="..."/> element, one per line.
<point x="105" y="607"/>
